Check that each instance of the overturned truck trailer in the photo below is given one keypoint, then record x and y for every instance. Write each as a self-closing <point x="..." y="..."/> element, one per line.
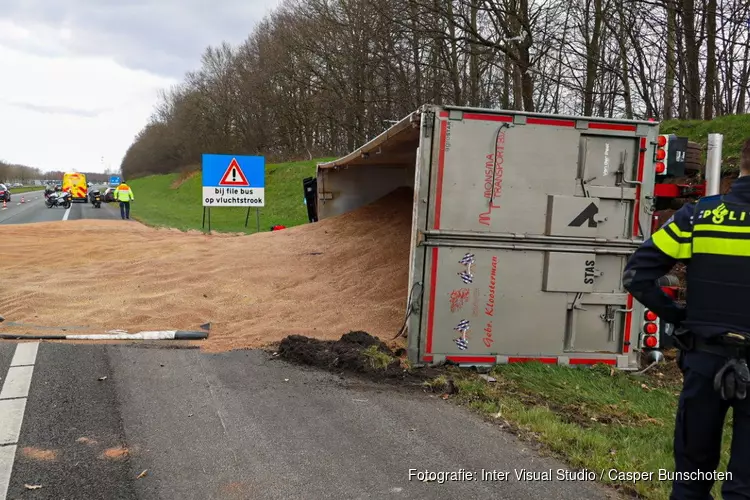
<point x="522" y="226"/>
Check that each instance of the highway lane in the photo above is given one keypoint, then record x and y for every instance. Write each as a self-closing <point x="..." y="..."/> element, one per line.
<point x="34" y="210"/>
<point x="125" y="422"/>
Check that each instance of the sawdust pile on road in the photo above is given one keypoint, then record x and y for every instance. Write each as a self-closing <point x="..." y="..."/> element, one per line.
<point x="319" y="280"/>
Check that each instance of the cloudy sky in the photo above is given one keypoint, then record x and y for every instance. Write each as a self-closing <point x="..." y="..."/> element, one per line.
<point x="79" y="78"/>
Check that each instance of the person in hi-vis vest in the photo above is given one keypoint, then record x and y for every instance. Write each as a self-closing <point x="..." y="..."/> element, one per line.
<point x="124" y="195"/>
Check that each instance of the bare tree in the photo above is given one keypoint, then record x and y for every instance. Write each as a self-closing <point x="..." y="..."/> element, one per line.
<point x="320" y="77"/>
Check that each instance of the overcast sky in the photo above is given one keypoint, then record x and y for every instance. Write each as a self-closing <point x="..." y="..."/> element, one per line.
<point x="79" y="78"/>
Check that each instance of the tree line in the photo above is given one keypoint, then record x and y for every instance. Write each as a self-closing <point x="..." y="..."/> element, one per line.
<point x="321" y="77"/>
<point x="10" y="172"/>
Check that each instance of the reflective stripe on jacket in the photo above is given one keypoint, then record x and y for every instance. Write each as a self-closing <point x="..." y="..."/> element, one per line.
<point x="716" y="246"/>
<point x="124" y="193"/>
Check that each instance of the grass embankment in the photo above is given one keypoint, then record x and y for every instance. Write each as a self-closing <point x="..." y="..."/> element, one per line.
<point x="175" y="200"/>
<point x="25" y="189"/>
<point x="596" y="418"/>
<point x="734" y="128"/>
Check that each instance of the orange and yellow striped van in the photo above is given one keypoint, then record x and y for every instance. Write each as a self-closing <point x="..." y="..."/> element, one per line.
<point x="76" y="183"/>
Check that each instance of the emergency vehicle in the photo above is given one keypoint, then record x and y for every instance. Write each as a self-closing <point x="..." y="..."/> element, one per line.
<point x="521" y="227"/>
<point x="75" y="182"/>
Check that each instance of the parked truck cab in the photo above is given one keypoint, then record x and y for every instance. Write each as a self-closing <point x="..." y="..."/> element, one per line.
<point x="75" y="182"/>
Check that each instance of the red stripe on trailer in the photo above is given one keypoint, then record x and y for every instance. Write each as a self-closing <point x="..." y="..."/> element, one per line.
<point x="488" y="118"/>
<point x="550" y="121"/>
<point x="641" y="164"/>
<point x="591" y="361"/>
<point x="427" y="358"/>
<point x="471" y="359"/>
<point x="440" y="169"/>
<point x="612" y="126"/>
<point x="628" y="325"/>
<point x="444" y="114"/>
<point x="521" y="359"/>
<point x="431" y="307"/>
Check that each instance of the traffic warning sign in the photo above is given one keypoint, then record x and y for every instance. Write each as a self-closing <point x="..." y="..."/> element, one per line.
<point x="233" y="181"/>
<point x="234" y="175"/>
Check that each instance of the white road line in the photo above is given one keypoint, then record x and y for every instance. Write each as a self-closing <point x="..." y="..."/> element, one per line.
<point x="11" y="411"/>
<point x="25" y="354"/>
<point x="67" y="213"/>
<point x="16" y="385"/>
<point x="7" y="456"/>
<point x="17" y="382"/>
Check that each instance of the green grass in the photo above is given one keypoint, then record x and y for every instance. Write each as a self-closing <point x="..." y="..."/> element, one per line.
<point x="159" y="203"/>
<point x="593" y="418"/>
<point x="378" y="359"/>
<point x="735" y="128"/>
<point x="25" y="189"/>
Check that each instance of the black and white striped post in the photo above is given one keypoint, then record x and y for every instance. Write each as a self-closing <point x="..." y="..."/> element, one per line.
<point x="153" y="335"/>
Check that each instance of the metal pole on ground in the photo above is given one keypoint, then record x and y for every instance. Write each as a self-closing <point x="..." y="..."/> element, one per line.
<point x="209" y="220"/>
<point x="247" y="216"/>
<point x="257" y="219"/>
<point x="154" y="335"/>
<point x="204" y="218"/>
<point x="713" y="164"/>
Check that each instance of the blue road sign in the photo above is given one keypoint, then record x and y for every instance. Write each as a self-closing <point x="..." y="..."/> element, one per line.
<point x="114" y="180"/>
<point x="234" y="181"/>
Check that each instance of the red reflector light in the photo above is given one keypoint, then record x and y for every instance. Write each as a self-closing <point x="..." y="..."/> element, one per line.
<point x="650" y="341"/>
<point x="660" y="168"/>
<point x="662" y="141"/>
<point x="661" y="154"/>
<point x="650" y="328"/>
<point x="651" y="316"/>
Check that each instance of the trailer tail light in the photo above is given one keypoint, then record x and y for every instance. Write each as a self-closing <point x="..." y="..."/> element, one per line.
<point x="651" y="341"/>
<point x="649" y="338"/>
<point x="661" y="154"/>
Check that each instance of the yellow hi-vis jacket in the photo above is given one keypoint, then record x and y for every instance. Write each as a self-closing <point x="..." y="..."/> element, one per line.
<point x="124" y="193"/>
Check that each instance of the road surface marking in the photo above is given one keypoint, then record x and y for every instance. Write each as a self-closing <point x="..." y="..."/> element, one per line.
<point x="17" y="382"/>
<point x="25" y="354"/>
<point x="16" y="386"/>
<point x="7" y="455"/>
<point x="67" y="213"/>
<point x="11" y="411"/>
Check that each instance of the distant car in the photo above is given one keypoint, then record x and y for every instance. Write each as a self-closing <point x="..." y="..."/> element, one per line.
<point x="109" y="195"/>
<point x="4" y="193"/>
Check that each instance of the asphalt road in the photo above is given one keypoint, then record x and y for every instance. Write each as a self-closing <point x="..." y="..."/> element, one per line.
<point x="181" y="424"/>
<point x="34" y="210"/>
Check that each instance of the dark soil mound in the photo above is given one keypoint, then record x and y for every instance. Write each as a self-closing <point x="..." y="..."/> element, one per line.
<point x="355" y="352"/>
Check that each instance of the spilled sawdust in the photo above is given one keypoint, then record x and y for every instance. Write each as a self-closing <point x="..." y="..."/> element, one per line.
<point x="319" y="280"/>
<point x="116" y="453"/>
<point x="39" y="454"/>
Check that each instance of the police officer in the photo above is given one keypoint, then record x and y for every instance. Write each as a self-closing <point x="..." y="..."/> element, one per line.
<point x="712" y="237"/>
